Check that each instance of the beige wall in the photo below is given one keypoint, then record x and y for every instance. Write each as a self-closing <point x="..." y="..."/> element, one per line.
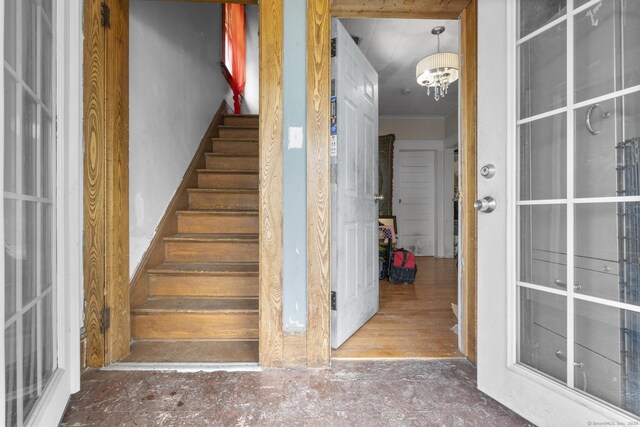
<point x="451" y="124"/>
<point x="413" y="128"/>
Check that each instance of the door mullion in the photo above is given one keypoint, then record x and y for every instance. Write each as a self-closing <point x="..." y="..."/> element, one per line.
<point x="39" y="193"/>
<point x="570" y="198"/>
<point x="19" y="210"/>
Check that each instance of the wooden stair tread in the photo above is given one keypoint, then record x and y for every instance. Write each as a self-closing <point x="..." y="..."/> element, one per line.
<point x="231" y="139"/>
<point x="207" y="269"/>
<point x="202" y="305"/>
<point x="202" y="237"/>
<point x="251" y="127"/>
<point x="230" y="171"/>
<point x="193" y="351"/>
<point x="220" y="212"/>
<point x="254" y="116"/>
<point x="223" y="190"/>
<point x="249" y="156"/>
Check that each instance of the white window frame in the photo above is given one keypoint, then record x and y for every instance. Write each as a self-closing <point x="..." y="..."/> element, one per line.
<point x="68" y="41"/>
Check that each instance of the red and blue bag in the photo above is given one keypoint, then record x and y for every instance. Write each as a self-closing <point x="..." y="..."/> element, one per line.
<point x="403" y="267"/>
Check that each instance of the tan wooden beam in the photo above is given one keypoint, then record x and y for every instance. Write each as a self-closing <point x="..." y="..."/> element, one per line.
<point x="94" y="179"/>
<point x="216" y="1"/>
<point x="423" y="9"/>
<point x="318" y="184"/>
<point x="468" y="191"/>
<point x="106" y="181"/>
<point x="271" y="196"/>
<point x="118" y="335"/>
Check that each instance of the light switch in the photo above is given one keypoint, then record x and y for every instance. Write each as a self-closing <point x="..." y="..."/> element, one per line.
<point x="295" y="138"/>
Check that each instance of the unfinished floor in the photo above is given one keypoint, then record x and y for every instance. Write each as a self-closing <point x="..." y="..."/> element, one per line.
<point x="414" y="320"/>
<point x="389" y="393"/>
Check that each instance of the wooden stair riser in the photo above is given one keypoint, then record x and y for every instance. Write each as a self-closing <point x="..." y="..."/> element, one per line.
<point x="167" y="285"/>
<point x="210" y="251"/>
<point x="231" y="163"/>
<point x="249" y="148"/>
<point x="185" y="326"/>
<point x="238" y="132"/>
<point x="235" y="120"/>
<point x="229" y="201"/>
<point x="217" y="224"/>
<point x="227" y="180"/>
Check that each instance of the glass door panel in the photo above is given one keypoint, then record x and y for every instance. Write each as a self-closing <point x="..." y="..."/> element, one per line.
<point x="537" y="14"/>
<point x="543" y="333"/>
<point x="543" y="245"/>
<point x="604" y="135"/>
<point x="608" y="368"/>
<point x="607" y="56"/>
<point x="30" y="334"/>
<point x="579" y="196"/>
<point x="543" y="72"/>
<point x="543" y="158"/>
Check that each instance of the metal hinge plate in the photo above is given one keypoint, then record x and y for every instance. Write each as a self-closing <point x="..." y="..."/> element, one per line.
<point x="333" y="300"/>
<point x="333" y="47"/>
<point x="105" y="12"/>
<point x="106" y="319"/>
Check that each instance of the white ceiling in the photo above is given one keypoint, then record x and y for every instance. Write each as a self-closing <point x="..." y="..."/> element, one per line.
<point x="394" y="46"/>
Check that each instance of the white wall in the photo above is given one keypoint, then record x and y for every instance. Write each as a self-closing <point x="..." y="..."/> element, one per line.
<point x="175" y="88"/>
<point x="451" y="130"/>
<point x="450" y="144"/>
<point x="412" y="128"/>
<point x="430" y="133"/>
<point x="251" y="99"/>
<point x="441" y="197"/>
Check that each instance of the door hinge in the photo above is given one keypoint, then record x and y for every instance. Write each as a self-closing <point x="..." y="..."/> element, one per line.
<point x="333" y="300"/>
<point x="333" y="47"/>
<point x="105" y="12"/>
<point x="106" y="319"/>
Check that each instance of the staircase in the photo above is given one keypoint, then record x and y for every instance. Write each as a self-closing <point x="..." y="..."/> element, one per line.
<point x="202" y="303"/>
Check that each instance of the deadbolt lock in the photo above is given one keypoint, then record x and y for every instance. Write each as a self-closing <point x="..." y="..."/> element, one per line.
<point x="488" y="171"/>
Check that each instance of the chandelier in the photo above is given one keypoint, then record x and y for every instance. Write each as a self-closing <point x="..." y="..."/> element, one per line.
<point x="439" y="70"/>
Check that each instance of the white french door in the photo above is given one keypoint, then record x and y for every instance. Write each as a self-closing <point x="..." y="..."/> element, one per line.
<point x="38" y="289"/>
<point x="559" y="259"/>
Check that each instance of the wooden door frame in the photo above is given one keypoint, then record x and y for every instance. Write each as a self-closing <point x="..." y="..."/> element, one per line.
<point x="319" y="16"/>
<point x="106" y="182"/>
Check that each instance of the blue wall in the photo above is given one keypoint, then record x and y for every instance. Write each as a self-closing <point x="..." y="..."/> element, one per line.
<point x="294" y="280"/>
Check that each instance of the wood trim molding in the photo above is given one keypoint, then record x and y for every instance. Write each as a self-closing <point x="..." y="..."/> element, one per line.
<point x="318" y="172"/>
<point x="271" y="346"/>
<point x="468" y="184"/>
<point x="414" y="9"/>
<point x="318" y="184"/>
<point x="106" y="181"/>
<point x="168" y="226"/>
<point x="94" y="181"/>
<point x="295" y="350"/>
<point x="118" y="336"/>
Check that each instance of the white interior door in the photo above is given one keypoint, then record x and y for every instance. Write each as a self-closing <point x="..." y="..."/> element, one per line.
<point x="558" y="269"/>
<point x="414" y="194"/>
<point x="40" y="280"/>
<point x="354" y="212"/>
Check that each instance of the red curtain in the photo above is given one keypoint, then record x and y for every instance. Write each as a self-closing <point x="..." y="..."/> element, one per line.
<point x="235" y="50"/>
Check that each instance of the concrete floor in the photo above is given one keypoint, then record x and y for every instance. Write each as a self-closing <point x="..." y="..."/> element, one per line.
<point x="381" y="393"/>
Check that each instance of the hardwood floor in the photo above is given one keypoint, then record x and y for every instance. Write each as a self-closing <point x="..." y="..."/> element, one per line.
<point x="414" y="321"/>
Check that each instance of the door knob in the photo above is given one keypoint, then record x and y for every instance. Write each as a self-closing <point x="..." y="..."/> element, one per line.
<point x="378" y="197"/>
<point x="486" y="204"/>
